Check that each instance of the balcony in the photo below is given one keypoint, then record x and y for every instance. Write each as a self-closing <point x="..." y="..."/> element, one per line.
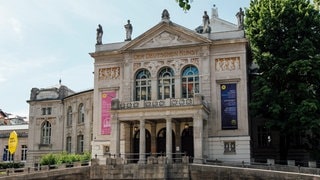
<point x="172" y="102"/>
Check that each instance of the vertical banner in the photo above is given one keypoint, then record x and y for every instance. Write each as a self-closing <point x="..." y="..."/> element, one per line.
<point x="229" y="115"/>
<point x="106" y="98"/>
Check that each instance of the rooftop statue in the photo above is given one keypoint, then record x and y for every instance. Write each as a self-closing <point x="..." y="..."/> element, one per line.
<point x="128" y="28"/>
<point x="206" y="22"/>
<point x="240" y="17"/>
<point x="165" y="15"/>
<point x="99" y="35"/>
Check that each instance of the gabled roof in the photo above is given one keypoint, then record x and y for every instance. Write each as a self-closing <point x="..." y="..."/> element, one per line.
<point x="3" y="114"/>
<point x="166" y="34"/>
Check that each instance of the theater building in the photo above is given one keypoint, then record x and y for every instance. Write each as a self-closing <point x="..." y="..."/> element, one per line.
<point x="169" y="91"/>
<point x="173" y="90"/>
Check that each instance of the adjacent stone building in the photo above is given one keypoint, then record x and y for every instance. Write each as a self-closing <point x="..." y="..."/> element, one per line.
<point x="8" y="124"/>
<point x="169" y="91"/>
<point x="59" y="121"/>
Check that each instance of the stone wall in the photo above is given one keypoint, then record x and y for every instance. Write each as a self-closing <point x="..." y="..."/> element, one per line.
<point x="140" y="171"/>
<point x="164" y="171"/>
<point x="74" y="173"/>
<point x="201" y="172"/>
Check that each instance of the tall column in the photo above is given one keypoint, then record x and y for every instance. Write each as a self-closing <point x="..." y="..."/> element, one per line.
<point x="142" y="143"/>
<point x="169" y="139"/>
<point x="153" y="138"/>
<point x="198" y="138"/>
<point x="117" y="137"/>
<point x="178" y="138"/>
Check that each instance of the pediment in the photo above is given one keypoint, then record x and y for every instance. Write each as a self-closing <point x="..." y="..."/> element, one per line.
<point x="166" y="39"/>
<point x="165" y="35"/>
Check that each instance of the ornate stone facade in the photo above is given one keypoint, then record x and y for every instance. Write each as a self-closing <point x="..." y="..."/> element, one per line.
<point x="170" y="91"/>
<point x="165" y="92"/>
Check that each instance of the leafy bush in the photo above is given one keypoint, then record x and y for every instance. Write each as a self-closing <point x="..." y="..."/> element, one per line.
<point x="64" y="157"/>
<point x="5" y="165"/>
<point x="48" y="159"/>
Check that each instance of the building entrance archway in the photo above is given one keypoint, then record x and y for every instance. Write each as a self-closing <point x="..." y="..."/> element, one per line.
<point x="136" y="144"/>
<point x="187" y="146"/>
<point x="161" y="141"/>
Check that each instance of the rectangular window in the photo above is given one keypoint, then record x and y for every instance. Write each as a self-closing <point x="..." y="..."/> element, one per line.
<point x="229" y="116"/>
<point x="229" y="147"/>
<point x="24" y="150"/>
<point x="43" y="110"/>
<point x="46" y="111"/>
<point x="80" y="144"/>
<point x="68" y="145"/>
<point x="49" y="110"/>
<point x="7" y="156"/>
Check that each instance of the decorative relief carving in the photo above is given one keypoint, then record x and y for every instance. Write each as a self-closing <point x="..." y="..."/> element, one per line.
<point x="136" y="66"/>
<point x="194" y="61"/>
<point x="52" y="120"/>
<point x="153" y="66"/>
<point x="176" y="64"/>
<point x="111" y="73"/>
<point x="165" y="39"/>
<point x="227" y="64"/>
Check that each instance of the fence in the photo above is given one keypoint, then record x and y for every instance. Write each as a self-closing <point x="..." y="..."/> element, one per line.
<point x="41" y="168"/>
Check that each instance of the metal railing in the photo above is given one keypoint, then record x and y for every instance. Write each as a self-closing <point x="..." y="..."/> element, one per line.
<point x="41" y="168"/>
<point x="130" y="158"/>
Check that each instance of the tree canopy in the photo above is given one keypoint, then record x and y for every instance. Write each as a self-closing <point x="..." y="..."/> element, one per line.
<point x="184" y="4"/>
<point x="285" y="39"/>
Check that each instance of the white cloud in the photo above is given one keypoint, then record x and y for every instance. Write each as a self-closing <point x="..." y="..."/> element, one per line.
<point x="16" y="27"/>
<point x="12" y="66"/>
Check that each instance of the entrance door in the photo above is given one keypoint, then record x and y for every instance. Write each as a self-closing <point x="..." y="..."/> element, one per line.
<point x="161" y="142"/>
<point x="136" y="144"/>
<point x="187" y="141"/>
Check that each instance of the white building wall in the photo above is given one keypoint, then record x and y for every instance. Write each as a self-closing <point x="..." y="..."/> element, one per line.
<point x="242" y="149"/>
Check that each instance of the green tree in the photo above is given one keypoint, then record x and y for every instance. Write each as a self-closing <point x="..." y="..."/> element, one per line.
<point x="317" y="4"/>
<point x="285" y="39"/>
<point x="184" y="4"/>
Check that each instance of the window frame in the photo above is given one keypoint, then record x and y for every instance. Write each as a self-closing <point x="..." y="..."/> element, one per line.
<point x="190" y="78"/>
<point x="81" y="113"/>
<point x="46" y="132"/>
<point x="166" y="81"/>
<point x="68" y="144"/>
<point x="69" y="116"/>
<point x="24" y="152"/>
<point x="142" y="82"/>
<point x="80" y="144"/>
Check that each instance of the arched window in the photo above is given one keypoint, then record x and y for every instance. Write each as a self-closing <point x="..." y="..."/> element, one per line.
<point x="81" y="113"/>
<point x="69" y="116"/>
<point x="190" y="81"/>
<point x="143" y="85"/>
<point x="166" y="83"/>
<point x="46" y="132"/>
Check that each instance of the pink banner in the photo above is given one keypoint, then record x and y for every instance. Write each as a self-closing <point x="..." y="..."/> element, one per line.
<point x="106" y="99"/>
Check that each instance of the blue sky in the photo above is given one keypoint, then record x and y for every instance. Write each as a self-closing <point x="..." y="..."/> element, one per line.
<point x="42" y="41"/>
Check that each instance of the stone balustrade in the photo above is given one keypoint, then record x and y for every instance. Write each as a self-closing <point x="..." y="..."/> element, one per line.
<point x="170" y="102"/>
